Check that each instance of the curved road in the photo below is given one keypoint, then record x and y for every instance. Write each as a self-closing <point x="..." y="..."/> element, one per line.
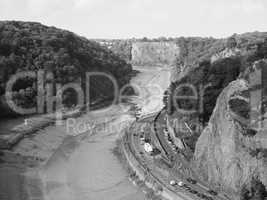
<point x="180" y="162"/>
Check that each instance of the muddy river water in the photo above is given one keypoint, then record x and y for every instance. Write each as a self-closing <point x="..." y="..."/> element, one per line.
<point x="87" y="169"/>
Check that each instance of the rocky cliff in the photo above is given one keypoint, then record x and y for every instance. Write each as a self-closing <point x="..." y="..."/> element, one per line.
<point x="230" y="154"/>
<point x="226" y="53"/>
<point x="154" y="53"/>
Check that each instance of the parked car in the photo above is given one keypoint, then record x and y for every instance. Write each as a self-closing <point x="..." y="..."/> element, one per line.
<point x="148" y="148"/>
<point x="180" y="183"/>
<point x="192" y="181"/>
<point x="173" y="183"/>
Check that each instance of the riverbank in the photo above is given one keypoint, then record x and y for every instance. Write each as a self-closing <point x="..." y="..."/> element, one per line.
<point x="32" y="125"/>
<point x="119" y="152"/>
<point x="141" y="173"/>
<point x="77" y="168"/>
<point x="12" y="135"/>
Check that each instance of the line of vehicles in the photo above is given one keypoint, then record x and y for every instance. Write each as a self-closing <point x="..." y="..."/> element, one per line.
<point x="170" y="140"/>
<point x="151" y="150"/>
<point x="137" y="112"/>
<point x="185" y="186"/>
<point x="181" y="184"/>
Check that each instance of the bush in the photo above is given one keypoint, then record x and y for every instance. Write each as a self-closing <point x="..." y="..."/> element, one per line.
<point x="257" y="191"/>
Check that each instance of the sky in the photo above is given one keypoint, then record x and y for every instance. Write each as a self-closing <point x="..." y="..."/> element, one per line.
<point x="142" y="18"/>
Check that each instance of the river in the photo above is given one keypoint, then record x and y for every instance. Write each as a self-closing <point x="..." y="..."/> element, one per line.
<point x="84" y="167"/>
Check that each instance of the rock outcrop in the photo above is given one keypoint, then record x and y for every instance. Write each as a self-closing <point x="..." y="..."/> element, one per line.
<point x="231" y="50"/>
<point x="226" y="156"/>
<point x="226" y="53"/>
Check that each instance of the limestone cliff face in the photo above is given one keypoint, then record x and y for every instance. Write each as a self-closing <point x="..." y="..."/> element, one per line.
<point x="154" y="53"/>
<point x="224" y="153"/>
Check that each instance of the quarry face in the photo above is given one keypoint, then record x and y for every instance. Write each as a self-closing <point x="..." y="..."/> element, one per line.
<point x="154" y="53"/>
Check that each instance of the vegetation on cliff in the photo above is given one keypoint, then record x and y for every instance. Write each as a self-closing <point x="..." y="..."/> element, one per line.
<point x="228" y="154"/>
<point x="218" y="74"/>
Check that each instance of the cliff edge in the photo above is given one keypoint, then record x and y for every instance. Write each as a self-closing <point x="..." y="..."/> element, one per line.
<point x="226" y="155"/>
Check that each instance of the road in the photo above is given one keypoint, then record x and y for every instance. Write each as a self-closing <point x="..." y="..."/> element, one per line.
<point x="181" y="167"/>
<point x="148" y="162"/>
<point x="179" y="170"/>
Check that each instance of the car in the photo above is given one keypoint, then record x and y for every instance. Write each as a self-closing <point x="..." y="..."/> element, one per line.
<point x="186" y="187"/>
<point x="173" y="183"/>
<point x="180" y="183"/>
<point x="148" y="147"/>
<point x="212" y="192"/>
<point x="192" y="181"/>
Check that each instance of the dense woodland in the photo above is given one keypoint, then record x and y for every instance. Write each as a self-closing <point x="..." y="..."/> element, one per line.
<point x="33" y="46"/>
<point x="219" y="74"/>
